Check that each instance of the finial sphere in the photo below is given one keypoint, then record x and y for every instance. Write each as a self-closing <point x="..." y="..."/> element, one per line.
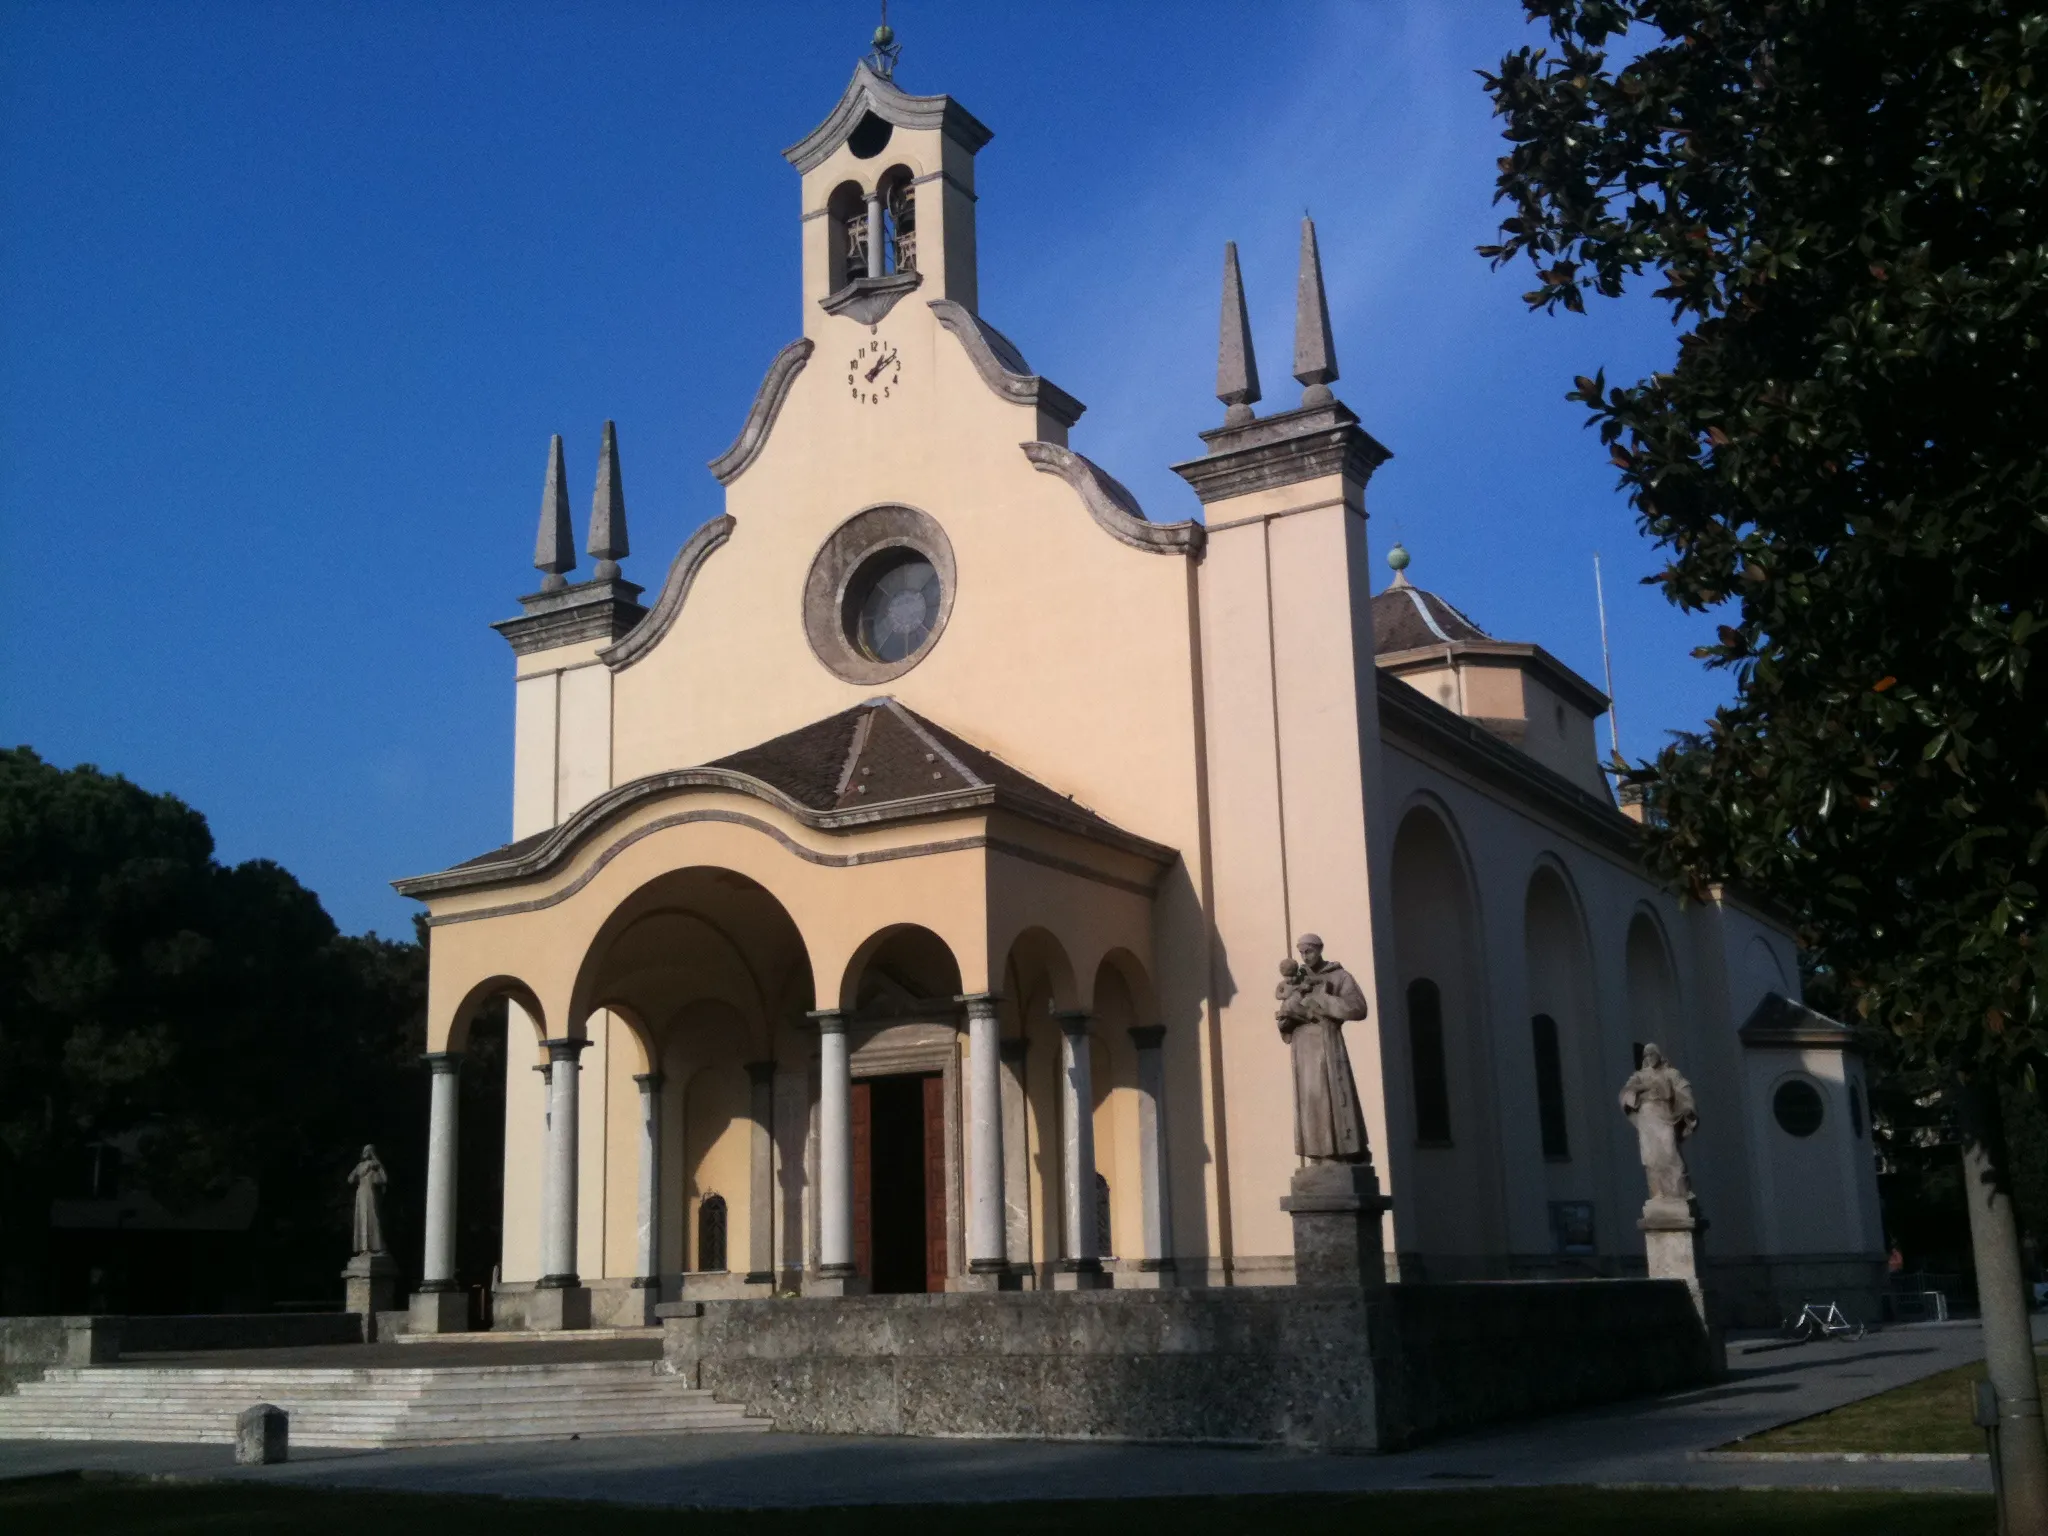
<point x="1397" y="558"/>
<point x="884" y="35"/>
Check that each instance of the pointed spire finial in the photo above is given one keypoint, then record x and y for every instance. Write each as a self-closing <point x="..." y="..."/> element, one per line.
<point x="1237" y="370"/>
<point x="555" y="551"/>
<point x="1315" y="357"/>
<point x="608" y="510"/>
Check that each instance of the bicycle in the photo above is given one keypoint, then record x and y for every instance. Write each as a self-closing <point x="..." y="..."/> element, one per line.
<point x="1823" y="1321"/>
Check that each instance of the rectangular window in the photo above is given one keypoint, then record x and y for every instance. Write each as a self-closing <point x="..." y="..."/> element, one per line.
<point x="1550" y="1087"/>
<point x="1426" y="1062"/>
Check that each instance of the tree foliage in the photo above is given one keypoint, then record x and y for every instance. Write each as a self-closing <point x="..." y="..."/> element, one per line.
<point x="146" y="988"/>
<point x="1845" y="202"/>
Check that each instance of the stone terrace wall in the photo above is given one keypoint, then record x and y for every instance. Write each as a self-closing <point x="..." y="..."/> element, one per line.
<point x="1327" y="1369"/>
<point x="30" y="1345"/>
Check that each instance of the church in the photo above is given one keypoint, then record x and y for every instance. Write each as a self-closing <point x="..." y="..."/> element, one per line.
<point x="895" y="898"/>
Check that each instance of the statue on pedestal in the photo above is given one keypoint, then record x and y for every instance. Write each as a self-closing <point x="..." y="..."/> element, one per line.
<point x="1317" y="998"/>
<point x="1658" y="1101"/>
<point x="368" y="1178"/>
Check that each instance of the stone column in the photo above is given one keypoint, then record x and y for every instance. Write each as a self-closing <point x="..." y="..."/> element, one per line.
<point x="439" y="1306"/>
<point x="1080" y="1266"/>
<point x="1155" y="1197"/>
<point x="988" y="1266"/>
<point x="647" y="1228"/>
<point x="877" y="233"/>
<point x="836" y="1275"/>
<point x="560" y="1299"/>
<point x="761" y="1175"/>
<point x="1016" y="1160"/>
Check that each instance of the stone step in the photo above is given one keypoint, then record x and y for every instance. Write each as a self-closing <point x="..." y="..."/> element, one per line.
<point x="352" y="1408"/>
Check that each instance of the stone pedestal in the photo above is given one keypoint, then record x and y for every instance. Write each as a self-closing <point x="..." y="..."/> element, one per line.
<point x="988" y="1275"/>
<point x="1672" y="1242"/>
<point x="262" y="1435"/>
<point x="553" y="1308"/>
<point x="438" y="1311"/>
<point x="634" y="1308"/>
<point x="1337" y="1238"/>
<point x="1146" y="1275"/>
<point x="369" y="1286"/>
<point x="1081" y="1275"/>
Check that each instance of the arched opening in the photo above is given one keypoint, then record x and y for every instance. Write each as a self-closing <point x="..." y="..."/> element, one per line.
<point x="846" y="242"/>
<point x="1652" y="989"/>
<point x="1445" y="1122"/>
<point x="903" y="985"/>
<point x="488" y="1057"/>
<point x="1038" y="986"/>
<point x="899" y="218"/>
<point x="698" y="982"/>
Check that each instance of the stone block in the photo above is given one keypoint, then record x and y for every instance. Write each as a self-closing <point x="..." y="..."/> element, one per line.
<point x="1337" y="1210"/>
<point x="438" y="1312"/>
<point x="835" y="1285"/>
<point x="1081" y="1275"/>
<point x="262" y="1435"/>
<point x="555" y="1308"/>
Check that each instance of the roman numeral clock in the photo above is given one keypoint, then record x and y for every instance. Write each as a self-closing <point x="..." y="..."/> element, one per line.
<point x="874" y="372"/>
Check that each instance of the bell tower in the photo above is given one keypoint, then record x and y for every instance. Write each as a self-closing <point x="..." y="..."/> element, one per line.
<point x="888" y="198"/>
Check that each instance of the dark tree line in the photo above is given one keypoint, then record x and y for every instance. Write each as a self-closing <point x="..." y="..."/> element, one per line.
<point x="207" y="1018"/>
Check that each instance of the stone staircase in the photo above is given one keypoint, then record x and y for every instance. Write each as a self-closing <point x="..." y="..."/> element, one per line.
<point x="366" y="1407"/>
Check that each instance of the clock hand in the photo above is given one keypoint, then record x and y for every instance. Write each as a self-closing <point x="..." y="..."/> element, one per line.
<point x="885" y="362"/>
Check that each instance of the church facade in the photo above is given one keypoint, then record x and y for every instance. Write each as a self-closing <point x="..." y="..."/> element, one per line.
<point x="894" y="899"/>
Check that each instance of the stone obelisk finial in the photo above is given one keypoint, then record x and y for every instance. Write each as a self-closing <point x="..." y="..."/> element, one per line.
<point x="1315" y="358"/>
<point x="608" y="510"/>
<point x="555" y="551"/>
<point x="1237" y="371"/>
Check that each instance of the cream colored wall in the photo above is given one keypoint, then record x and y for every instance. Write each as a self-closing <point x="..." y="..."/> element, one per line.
<point x="719" y="1134"/>
<point x="535" y="718"/>
<point x="584" y="768"/>
<point x="1292" y="743"/>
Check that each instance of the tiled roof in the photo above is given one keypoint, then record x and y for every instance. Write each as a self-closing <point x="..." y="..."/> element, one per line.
<point x="1406" y="618"/>
<point x="878" y="753"/>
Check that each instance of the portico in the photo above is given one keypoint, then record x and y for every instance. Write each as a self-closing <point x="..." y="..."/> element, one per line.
<point x="683" y="924"/>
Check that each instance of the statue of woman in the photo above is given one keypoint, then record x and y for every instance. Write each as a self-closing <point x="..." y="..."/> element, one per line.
<point x="368" y="1178"/>
<point x="1659" y="1100"/>
<point x="1317" y="997"/>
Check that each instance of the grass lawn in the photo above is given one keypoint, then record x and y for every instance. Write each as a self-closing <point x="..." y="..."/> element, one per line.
<point x="91" y="1506"/>
<point x="1928" y="1415"/>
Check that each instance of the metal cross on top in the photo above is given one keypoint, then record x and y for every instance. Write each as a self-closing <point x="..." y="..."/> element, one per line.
<point x="882" y="59"/>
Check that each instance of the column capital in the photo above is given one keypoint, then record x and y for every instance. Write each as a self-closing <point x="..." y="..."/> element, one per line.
<point x="568" y="1048"/>
<point x="760" y="1073"/>
<point x="829" y="1021"/>
<point x="1147" y="1037"/>
<point x="648" y="1081"/>
<point x="980" y="1003"/>
<point x="1073" y="1021"/>
<point x="442" y="1061"/>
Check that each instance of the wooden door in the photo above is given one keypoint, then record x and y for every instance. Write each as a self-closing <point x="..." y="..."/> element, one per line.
<point x="934" y="1183"/>
<point x="863" y="1126"/>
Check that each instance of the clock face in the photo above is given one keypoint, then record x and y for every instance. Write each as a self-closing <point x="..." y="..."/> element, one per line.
<point x="874" y="372"/>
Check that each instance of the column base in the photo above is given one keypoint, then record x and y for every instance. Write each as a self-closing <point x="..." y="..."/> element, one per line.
<point x="553" y="1306"/>
<point x="1337" y="1228"/>
<point x="441" y="1311"/>
<point x="987" y="1275"/>
<point x="1147" y="1275"/>
<point x="1081" y="1275"/>
<point x="836" y="1280"/>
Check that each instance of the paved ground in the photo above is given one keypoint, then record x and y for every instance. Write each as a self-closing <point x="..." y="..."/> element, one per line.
<point x="1635" y="1443"/>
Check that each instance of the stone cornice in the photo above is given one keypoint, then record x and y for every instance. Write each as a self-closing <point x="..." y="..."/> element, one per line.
<point x="590" y="610"/>
<point x="524" y="862"/>
<point x="869" y="92"/>
<point x="1408" y="713"/>
<point x="1002" y="366"/>
<point x="789" y="362"/>
<point x="1283" y="449"/>
<point x="1778" y="1022"/>
<point x="869" y="299"/>
<point x="1560" y="677"/>
<point x="682" y="574"/>
<point x="1112" y="506"/>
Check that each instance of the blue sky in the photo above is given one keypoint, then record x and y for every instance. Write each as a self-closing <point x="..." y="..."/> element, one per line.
<point x="293" y="296"/>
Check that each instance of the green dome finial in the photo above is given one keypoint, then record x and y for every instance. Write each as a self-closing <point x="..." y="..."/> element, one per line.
<point x="1397" y="558"/>
<point x="884" y="35"/>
